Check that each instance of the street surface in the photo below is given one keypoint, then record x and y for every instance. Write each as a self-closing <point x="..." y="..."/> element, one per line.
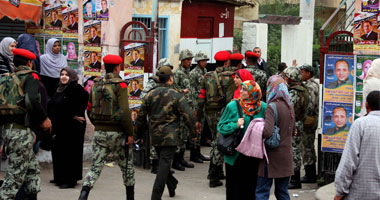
<point x="193" y="185"/>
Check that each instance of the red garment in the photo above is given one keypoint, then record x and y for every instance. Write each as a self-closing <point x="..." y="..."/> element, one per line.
<point x="244" y="75"/>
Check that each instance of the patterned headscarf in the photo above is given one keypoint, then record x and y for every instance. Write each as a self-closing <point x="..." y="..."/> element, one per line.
<point x="252" y="105"/>
<point x="277" y="89"/>
<point x="244" y="75"/>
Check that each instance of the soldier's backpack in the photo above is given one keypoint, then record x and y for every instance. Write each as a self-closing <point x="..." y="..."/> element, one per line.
<point x="105" y="106"/>
<point x="13" y="100"/>
<point x="219" y="89"/>
<point x="301" y="107"/>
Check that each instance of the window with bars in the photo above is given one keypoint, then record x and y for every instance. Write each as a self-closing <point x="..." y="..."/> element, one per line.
<point x="162" y="33"/>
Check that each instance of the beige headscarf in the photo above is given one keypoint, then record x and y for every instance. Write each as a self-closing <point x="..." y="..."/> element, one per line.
<point x="370" y="83"/>
<point x="374" y="71"/>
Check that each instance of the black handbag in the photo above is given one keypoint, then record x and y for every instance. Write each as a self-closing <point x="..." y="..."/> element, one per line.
<point x="227" y="143"/>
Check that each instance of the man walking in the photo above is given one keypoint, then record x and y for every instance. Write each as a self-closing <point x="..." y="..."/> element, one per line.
<point x="358" y="173"/>
<point x="108" y="110"/>
<point x="164" y="106"/>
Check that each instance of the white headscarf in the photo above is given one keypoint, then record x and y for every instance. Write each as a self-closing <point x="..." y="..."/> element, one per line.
<point x="51" y="63"/>
<point x="4" y="50"/>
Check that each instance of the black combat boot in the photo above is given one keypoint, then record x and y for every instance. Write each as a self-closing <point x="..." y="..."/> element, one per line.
<point x="311" y="174"/>
<point x="172" y="185"/>
<point x="130" y="192"/>
<point x="32" y="196"/>
<point x="295" y="182"/>
<point x="220" y="172"/>
<point x="214" y="180"/>
<point x="182" y="160"/>
<point x="84" y="193"/>
<point x="176" y="164"/>
<point x="194" y="156"/>
<point x="201" y="156"/>
<point x="154" y="166"/>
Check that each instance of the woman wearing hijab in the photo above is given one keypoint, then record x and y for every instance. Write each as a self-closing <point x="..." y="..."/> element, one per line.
<point x="241" y="75"/>
<point x="280" y="166"/>
<point x="66" y="110"/>
<point x="26" y="41"/>
<point x="51" y="64"/>
<point x="6" y="55"/>
<point x="370" y="83"/>
<point x="241" y="170"/>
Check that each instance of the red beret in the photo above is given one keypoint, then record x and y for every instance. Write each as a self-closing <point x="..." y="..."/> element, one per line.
<point x="237" y="56"/>
<point x="112" y="59"/>
<point x="252" y="55"/>
<point x="24" y="53"/>
<point x="222" y="56"/>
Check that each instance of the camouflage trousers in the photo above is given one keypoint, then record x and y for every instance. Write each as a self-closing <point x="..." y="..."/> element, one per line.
<point x="212" y="120"/>
<point x="184" y="134"/>
<point x="308" y="149"/>
<point x="296" y="143"/>
<point x="105" y="143"/>
<point x="23" y="166"/>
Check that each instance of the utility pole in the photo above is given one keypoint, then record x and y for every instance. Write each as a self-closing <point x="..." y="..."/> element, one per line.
<point x="155" y="13"/>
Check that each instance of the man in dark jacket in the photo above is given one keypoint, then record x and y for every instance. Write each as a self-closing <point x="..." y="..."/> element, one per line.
<point x="261" y="62"/>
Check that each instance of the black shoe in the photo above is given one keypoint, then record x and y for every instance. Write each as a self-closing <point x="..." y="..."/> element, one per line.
<point x="220" y="172"/>
<point x="32" y="196"/>
<point x="84" y="193"/>
<point x="176" y="164"/>
<point x="130" y="192"/>
<point x="295" y="182"/>
<point x="202" y="157"/>
<point x="194" y="156"/>
<point x="52" y="181"/>
<point x="172" y="187"/>
<point x="214" y="179"/>
<point x="66" y="186"/>
<point x="310" y="176"/>
<point x="183" y="162"/>
<point x="154" y="169"/>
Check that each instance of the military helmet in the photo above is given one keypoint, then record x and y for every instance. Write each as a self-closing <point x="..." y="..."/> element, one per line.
<point x="293" y="73"/>
<point x="186" y="53"/>
<point x="308" y="68"/>
<point x="201" y="55"/>
<point x="164" y="62"/>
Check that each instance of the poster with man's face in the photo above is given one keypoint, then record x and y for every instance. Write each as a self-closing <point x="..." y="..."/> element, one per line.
<point x="102" y="10"/>
<point x="53" y="20"/>
<point x="135" y="86"/>
<point x="92" y="63"/>
<point x="134" y="58"/>
<point x="366" y="34"/>
<point x="70" y="23"/>
<point x="92" y="35"/>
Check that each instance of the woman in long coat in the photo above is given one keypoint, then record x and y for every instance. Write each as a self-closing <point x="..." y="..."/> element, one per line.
<point x="66" y="111"/>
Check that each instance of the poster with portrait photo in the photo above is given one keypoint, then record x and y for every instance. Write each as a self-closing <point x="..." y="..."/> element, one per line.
<point x="134" y="54"/>
<point x="337" y="120"/>
<point x="135" y="86"/>
<point x="70" y="49"/>
<point x="102" y="10"/>
<point x="70" y="23"/>
<point x="366" y="34"/>
<point x="92" y="63"/>
<point x="89" y="12"/>
<point x="339" y="78"/>
<point x="363" y="64"/>
<point x="40" y="43"/>
<point x="53" y="20"/>
<point x="370" y="6"/>
<point x="92" y="35"/>
<point x="88" y="83"/>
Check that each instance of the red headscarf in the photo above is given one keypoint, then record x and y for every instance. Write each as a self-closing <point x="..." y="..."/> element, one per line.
<point x="244" y="75"/>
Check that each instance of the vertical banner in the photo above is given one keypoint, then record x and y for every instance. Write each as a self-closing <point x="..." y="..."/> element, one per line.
<point x="338" y="101"/>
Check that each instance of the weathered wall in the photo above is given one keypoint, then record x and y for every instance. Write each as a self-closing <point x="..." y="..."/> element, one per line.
<point x="172" y="9"/>
<point x="245" y="13"/>
<point x="255" y="35"/>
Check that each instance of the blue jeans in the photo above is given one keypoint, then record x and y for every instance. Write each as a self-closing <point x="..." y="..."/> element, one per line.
<point x="264" y="184"/>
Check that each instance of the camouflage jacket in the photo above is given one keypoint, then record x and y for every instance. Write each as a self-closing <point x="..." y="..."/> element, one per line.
<point x="120" y="105"/>
<point x="300" y="102"/>
<point x="313" y="88"/>
<point x="152" y="83"/>
<point x="231" y="68"/>
<point x="196" y="77"/>
<point x="209" y="97"/>
<point x="164" y="107"/>
<point x="182" y="81"/>
<point x="260" y="77"/>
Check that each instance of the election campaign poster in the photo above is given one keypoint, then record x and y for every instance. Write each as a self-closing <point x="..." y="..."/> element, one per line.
<point x="92" y="35"/>
<point x="70" y="23"/>
<point x="70" y="49"/>
<point x="92" y="63"/>
<point x="89" y="10"/>
<point x="102" y="10"/>
<point x="53" y="20"/>
<point x="134" y="54"/>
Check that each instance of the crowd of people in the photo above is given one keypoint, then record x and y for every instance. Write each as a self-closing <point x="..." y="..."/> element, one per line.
<point x="176" y="105"/>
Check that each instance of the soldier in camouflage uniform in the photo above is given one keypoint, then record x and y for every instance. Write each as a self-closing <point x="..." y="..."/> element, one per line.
<point x="23" y="166"/>
<point x="213" y="99"/>
<point x="196" y="77"/>
<point x="236" y="61"/>
<point x="300" y="100"/>
<point x="113" y="134"/>
<point x="310" y="125"/>
<point x="182" y="84"/>
<point x="259" y="75"/>
<point x="164" y="106"/>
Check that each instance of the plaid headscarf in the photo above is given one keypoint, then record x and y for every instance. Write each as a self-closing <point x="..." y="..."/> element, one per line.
<point x="277" y="89"/>
<point x="252" y="105"/>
